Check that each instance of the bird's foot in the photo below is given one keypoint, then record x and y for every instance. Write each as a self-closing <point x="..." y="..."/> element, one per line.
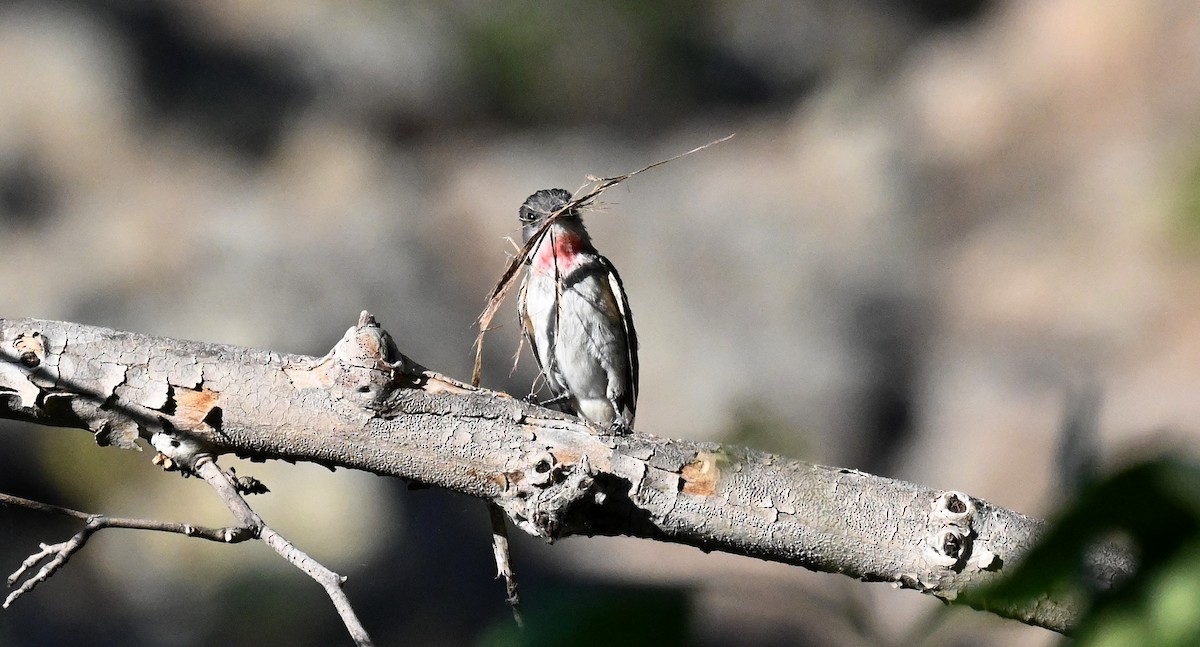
<point x="620" y="427"/>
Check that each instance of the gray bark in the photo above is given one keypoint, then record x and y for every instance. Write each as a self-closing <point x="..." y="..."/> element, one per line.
<point x="365" y="406"/>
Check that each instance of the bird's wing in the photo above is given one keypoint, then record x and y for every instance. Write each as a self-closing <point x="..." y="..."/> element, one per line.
<point x="631" y="343"/>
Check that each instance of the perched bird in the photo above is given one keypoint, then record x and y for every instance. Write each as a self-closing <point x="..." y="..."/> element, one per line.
<point x="576" y="317"/>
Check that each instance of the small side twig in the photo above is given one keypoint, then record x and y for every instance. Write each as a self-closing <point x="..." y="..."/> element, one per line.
<point x="503" y="565"/>
<point x="53" y="557"/>
<point x="207" y="469"/>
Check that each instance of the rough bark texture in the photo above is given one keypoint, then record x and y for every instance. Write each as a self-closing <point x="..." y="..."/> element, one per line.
<point x="365" y="406"/>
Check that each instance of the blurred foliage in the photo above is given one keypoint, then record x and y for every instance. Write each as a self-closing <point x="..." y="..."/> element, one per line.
<point x="1151" y="507"/>
<point x="597" y="615"/>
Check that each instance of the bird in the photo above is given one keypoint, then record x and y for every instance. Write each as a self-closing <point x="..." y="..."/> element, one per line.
<point x="576" y="317"/>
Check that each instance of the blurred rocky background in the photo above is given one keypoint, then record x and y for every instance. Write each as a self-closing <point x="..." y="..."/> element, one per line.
<point x="953" y="241"/>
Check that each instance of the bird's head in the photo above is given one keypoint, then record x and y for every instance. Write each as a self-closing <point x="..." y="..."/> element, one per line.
<point x="540" y="206"/>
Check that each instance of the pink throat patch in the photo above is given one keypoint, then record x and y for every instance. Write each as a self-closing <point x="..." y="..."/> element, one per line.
<point x="564" y="250"/>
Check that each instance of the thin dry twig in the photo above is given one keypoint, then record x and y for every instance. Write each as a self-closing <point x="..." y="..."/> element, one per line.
<point x="53" y="557"/>
<point x="508" y="278"/>
<point x="503" y="564"/>
<point x="207" y="469"/>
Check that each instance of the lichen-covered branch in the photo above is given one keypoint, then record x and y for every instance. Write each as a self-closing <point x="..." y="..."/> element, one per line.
<point x="366" y="406"/>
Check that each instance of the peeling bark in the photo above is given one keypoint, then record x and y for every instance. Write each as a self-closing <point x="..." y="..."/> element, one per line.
<point x="366" y="406"/>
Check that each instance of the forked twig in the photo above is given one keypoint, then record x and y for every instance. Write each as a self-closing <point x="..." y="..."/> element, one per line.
<point x="508" y="278"/>
<point x="207" y="469"/>
<point x="53" y="557"/>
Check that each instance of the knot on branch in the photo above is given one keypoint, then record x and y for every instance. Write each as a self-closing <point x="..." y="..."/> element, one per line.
<point x="952" y="542"/>
<point x="543" y="490"/>
<point x="31" y="348"/>
<point x="363" y="363"/>
<point x="176" y="450"/>
<point x="24" y="371"/>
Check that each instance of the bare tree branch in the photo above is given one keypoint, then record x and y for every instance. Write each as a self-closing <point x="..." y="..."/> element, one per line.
<point x="206" y="468"/>
<point x="365" y="406"/>
<point x="55" y="556"/>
